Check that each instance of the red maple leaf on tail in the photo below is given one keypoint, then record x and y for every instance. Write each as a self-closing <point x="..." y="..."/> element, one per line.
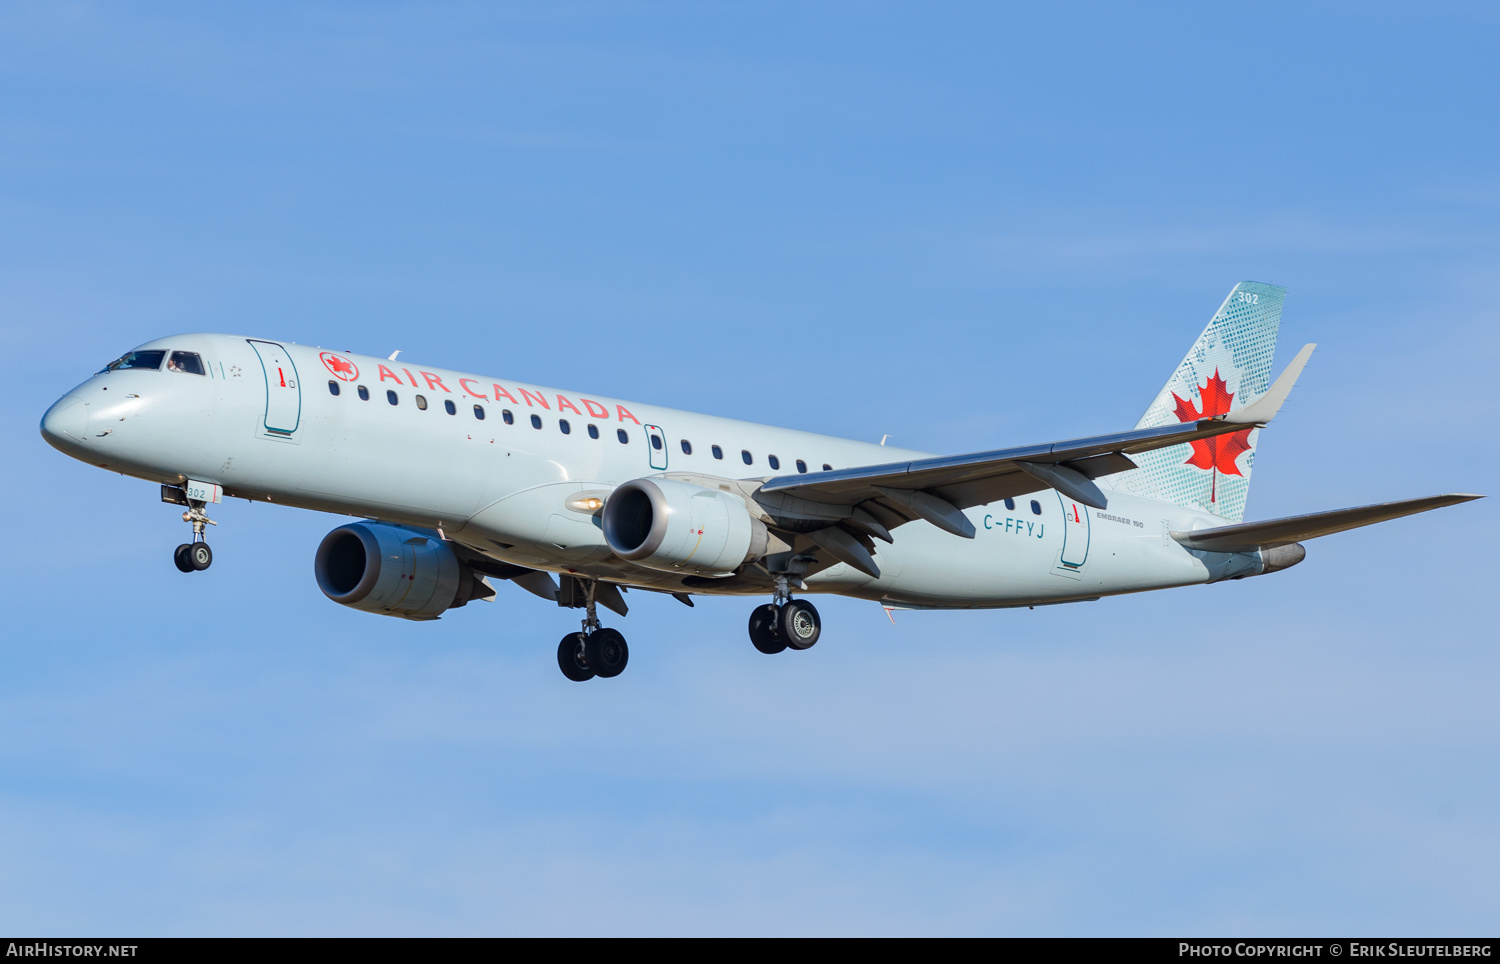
<point x="1220" y="453"/>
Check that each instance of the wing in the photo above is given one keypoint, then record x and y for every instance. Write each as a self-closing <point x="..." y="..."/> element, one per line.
<point x="842" y="510"/>
<point x="1281" y="532"/>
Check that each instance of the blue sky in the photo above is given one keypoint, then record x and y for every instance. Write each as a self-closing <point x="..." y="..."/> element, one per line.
<point x="965" y="226"/>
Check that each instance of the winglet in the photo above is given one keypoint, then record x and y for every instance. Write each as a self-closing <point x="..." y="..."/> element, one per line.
<point x="1263" y="409"/>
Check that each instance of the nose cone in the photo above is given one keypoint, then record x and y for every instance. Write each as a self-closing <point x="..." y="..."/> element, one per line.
<point x="66" y="424"/>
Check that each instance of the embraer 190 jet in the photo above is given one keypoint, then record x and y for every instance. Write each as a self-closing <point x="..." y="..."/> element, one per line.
<point x="577" y="497"/>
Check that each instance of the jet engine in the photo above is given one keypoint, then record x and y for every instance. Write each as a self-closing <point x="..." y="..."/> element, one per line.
<point x="395" y="571"/>
<point x="682" y="528"/>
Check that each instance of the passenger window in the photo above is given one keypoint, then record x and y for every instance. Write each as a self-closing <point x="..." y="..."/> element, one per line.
<point x="656" y="442"/>
<point x="186" y="362"/>
<point x="745" y="454"/>
<point x="775" y="462"/>
<point x="422" y="402"/>
<point x="1036" y="507"/>
<point x="827" y="467"/>
<point x="508" y="418"/>
<point x="136" y="359"/>
<point x="536" y="421"/>
<point x="593" y="430"/>
<point x="333" y="388"/>
<point x="564" y="427"/>
<point x="364" y="394"/>
<point x="449" y="407"/>
<point x="1010" y="505"/>
<point x="623" y="436"/>
<point x="687" y="447"/>
<point x="801" y="466"/>
<point x="479" y="412"/>
<point x="390" y="396"/>
<point x="718" y="452"/>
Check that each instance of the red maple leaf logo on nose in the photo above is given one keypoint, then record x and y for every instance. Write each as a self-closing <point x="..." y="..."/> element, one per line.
<point x="1220" y="453"/>
<point x="342" y="367"/>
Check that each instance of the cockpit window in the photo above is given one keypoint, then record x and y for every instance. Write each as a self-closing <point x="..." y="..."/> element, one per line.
<point x="137" y="359"/>
<point x="187" y="362"/>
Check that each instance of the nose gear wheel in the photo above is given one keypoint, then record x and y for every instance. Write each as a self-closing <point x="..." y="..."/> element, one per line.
<point x="193" y="556"/>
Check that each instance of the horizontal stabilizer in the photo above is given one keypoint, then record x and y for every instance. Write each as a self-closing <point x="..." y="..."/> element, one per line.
<point x="1263" y="409"/>
<point x="1280" y="532"/>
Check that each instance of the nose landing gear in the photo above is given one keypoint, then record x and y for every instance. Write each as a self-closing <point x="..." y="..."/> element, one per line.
<point x="596" y="651"/>
<point x="193" y="556"/>
<point x="785" y="623"/>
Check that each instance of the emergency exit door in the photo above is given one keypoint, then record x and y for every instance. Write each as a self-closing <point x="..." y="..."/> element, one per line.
<point x="656" y="442"/>
<point x="283" y="396"/>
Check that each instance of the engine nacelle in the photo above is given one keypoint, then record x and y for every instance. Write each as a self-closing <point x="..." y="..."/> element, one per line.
<point x="394" y="571"/>
<point x="683" y="528"/>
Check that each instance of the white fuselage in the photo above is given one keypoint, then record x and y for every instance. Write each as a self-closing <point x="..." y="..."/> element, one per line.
<point x="264" y="424"/>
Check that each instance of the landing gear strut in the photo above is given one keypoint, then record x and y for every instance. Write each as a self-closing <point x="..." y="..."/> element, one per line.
<point x="194" y="556"/>
<point x="596" y="651"/>
<point x="784" y="623"/>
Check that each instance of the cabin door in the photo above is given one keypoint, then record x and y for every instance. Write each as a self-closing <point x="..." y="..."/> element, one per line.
<point x="283" y="396"/>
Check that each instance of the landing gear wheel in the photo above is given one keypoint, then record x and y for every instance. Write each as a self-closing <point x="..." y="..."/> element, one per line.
<point x="570" y="658"/>
<point x="800" y="625"/>
<point x="180" y="557"/>
<point x="763" y="632"/>
<point x="200" y="556"/>
<point x="606" y="652"/>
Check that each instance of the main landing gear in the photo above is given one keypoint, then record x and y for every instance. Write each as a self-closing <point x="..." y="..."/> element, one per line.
<point x="785" y="623"/>
<point x="195" y="556"/>
<point x="594" y="652"/>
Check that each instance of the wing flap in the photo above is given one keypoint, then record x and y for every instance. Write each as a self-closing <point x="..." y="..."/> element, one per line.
<point x="1280" y="532"/>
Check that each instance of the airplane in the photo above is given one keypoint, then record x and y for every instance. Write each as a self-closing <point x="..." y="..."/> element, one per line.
<point x="461" y="479"/>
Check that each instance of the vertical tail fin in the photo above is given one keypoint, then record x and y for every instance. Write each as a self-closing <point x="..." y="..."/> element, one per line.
<point x="1227" y="368"/>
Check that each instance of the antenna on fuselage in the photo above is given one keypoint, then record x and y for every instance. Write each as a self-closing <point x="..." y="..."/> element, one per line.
<point x="394" y="354"/>
<point x="883" y="438"/>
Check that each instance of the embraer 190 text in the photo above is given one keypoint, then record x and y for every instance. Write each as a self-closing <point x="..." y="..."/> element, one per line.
<point x="576" y="497"/>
